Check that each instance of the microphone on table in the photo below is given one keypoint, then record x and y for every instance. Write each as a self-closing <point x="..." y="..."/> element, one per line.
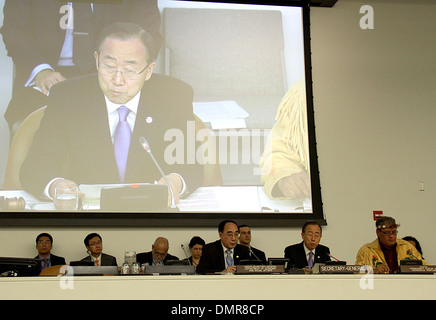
<point x="187" y="258"/>
<point x="144" y="144"/>
<point x="252" y="253"/>
<point x="336" y="259"/>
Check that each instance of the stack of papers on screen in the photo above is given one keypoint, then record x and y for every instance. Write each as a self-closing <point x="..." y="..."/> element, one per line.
<point x="221" y="114"/>
<point x="284" y="205"/>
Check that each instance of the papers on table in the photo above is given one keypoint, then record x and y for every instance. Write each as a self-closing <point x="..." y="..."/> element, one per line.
<point x="221" y="114"/>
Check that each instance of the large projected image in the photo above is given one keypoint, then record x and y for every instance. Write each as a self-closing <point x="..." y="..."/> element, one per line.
<point x="159" y="113"/>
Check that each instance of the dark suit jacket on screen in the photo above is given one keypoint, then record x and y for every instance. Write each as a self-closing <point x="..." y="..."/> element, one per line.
<point x="297" y="256"/>
<point x="212" y="257"/>
<point x="73" y="141"/>
<point x="147" y="257"/>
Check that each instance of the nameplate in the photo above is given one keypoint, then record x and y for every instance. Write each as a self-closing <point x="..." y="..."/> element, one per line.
<point x="259" y="269"/>
<point x="170" y="269"/>
<point x="418" y="269"/>
<point x="92" y="270"/>
<point x="342" y="269"/>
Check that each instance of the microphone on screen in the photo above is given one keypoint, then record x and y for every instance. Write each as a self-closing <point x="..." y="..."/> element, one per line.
<point x="144" y="144"/>
<point x="187" y="258"/>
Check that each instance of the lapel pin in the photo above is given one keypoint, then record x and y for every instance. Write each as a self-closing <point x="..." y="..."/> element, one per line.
<point x="149" y="119"/>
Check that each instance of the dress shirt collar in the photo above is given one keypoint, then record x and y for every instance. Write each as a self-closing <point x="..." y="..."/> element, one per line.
<point x="93" y="259"/>
<point x="113" y="117"/>
<point x="225" y="249"/>
<point x="45" y="262"/>
<point x="306" y="250"/>
<point x="132" y="105"/>
<point x="160" y="263"/>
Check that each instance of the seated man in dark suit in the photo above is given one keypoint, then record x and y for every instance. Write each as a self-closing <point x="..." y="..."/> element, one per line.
<point x="94" y="246"/>
<point x="245" y="240"/>
<point x="91" y="127"/>
<point x="44" y="244"/>
<point x="309" y="251"/>
<point x="158" y="255"/>
<point x="223" y="255"/>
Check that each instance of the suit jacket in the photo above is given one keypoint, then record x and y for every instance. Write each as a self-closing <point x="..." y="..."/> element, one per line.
<point x="147" y="257"/>
<point x="32" y="36"/>
<point x="212" y="257"/>
<point x="106" y="260"/>
<point x="55" y="260"/>
<point x="73" y="140"/>
<point x="297" y="256"/>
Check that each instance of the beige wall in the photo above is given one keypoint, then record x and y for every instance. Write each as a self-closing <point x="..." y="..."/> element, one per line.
<point x="375" y="124"/>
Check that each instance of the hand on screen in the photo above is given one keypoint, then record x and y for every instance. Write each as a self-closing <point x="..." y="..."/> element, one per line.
<point x="46" y="79"/>
<point x="64" y="183"/>
<point x="296" y="186"/>
<point x="60" y="183"/>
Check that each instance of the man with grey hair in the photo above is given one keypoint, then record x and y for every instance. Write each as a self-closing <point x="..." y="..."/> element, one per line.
<point x="385" y="253"/>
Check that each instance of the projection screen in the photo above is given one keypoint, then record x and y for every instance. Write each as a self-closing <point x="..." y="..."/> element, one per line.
<point x="224" y="115"/>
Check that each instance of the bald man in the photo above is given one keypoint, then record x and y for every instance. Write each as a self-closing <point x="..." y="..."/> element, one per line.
<point x="158" y="255"/>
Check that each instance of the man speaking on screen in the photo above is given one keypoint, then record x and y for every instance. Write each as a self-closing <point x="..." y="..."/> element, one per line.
<point x="92" y="125"/>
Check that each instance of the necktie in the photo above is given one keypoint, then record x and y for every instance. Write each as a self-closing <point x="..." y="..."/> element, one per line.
<point x="122" y="142"/>
<point x="45" y="263"/>
<point x="96" y="262"/>
<point x="310" y="261"/>
<point x="83" y="37"/>
<point x="229" y="258"/>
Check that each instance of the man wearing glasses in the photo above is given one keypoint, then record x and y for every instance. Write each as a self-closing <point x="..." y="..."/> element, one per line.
<point x="79" y="140"/>
<point x="385" y="253"/>
<point x="224" y="254"/>
<point x="305" y="254"/>
<point x="52" y="40"/>
<point x="94" y="248"/>
<point x="44" y="245"/>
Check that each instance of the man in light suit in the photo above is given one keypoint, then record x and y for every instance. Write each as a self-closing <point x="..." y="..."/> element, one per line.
<point x="75" y="141"/>
<point x="41" y="42"/>
<point x="224" y="254"/>
<point x="94" y="246"/>
<point x="309" y="251"/>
